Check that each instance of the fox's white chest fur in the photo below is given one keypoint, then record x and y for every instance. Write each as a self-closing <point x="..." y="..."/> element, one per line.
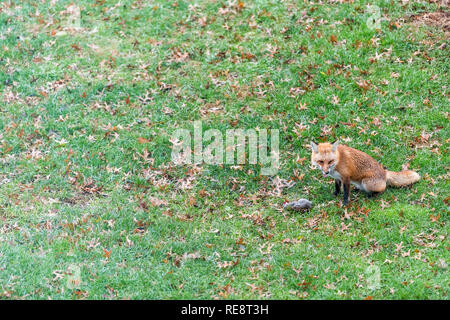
<point x="337" y="176"/>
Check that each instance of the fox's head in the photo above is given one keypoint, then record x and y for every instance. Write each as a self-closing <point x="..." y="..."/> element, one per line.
<point x="324" y="156"/>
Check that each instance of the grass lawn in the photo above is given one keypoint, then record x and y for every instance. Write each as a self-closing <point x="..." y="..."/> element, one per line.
<point x="91" y="206"/>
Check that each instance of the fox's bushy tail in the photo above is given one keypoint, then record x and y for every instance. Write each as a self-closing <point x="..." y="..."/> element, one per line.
<point x="402" y="178"/>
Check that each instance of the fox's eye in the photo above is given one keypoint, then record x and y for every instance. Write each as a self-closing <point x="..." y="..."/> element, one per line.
<point x="320" y="162"/>
<point x="331" y="161"/>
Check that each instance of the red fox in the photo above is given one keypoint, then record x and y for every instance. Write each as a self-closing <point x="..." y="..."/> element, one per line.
<point x="347" y="165"/>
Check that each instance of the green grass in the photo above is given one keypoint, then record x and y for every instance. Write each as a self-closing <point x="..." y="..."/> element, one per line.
<point x="78" y="186"/>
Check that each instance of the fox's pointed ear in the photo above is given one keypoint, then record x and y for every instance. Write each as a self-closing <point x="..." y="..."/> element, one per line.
<point x="314" y="147"/>
<point x="334" y="145"/>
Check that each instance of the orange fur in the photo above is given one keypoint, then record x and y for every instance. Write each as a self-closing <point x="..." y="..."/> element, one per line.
<point x="348" y="165"/>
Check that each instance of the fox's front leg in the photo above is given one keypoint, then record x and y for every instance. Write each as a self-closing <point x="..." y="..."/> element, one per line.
<point x="346" y="183"/>
<point x="337" y="187"/>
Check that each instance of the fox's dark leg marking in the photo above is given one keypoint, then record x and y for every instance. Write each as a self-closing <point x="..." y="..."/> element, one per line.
<point x="372" y="194"/>
<point x="346" y="183"/>
<point x="337" y="185"/>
